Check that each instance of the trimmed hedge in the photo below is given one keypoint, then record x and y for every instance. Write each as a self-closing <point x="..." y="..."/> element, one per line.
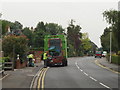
<point x="115" y="59"/>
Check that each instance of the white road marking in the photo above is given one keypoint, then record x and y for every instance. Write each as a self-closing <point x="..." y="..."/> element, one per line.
<point x="86" y="74"/>
<point x="104" y="85"/>
<point x="81" y="70"/>
<point x="4" y="76"/>
<point x="77" y="65"/>
<point x="93" y="78"/>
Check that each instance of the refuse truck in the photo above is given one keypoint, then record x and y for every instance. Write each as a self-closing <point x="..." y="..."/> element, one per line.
<point x="56" y="46"/>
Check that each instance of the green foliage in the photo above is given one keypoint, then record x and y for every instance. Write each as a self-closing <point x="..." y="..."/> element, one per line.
<point x="73" y="37"/>
<point x="10" y="27"/>
<point x="5" y="25"/>
<point x="5" y="59"/>
<point x="112" y="17"/>
<point x="115" y="59"/>
<point x="29" y="34"/>
<point x="118" y="53"/>
<point x="13" y="45"/>
<point x="86" y="42"/>
<point x="105" y="40"/>
<point x="53" y="29"/>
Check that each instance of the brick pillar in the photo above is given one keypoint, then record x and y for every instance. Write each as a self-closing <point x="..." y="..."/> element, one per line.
<point x="18" y="64"/>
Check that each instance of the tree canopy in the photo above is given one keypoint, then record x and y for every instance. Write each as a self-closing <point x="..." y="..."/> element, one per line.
<point x="112" y="17"/>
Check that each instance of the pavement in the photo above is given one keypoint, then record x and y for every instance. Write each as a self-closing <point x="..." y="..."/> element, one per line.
<point x="20" y="78"/>
<point x="106" y="64"/>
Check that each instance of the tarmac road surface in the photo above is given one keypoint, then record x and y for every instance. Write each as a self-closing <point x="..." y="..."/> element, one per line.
<point x="81" y="72"/>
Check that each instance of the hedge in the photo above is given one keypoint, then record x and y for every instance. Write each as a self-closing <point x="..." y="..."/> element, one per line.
<point x="115" y="59"/>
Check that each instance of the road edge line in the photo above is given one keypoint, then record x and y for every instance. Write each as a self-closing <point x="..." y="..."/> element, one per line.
<point x="98" y="63"/>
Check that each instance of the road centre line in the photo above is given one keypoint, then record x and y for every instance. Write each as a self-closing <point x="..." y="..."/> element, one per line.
<point x="44" y="77"/>
<point x="41" y="78"/>
<point x="85" y="73"/>
<point x="104" y="85"/>
<point x="78" y="67"/>
<point x="93" y="78"/>
<point x="37" y="74"/>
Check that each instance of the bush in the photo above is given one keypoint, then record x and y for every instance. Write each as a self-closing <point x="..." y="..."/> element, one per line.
<point x="5" y="59"/>
<point x="115" y="59"/>
<point x="13" y="45"/>
<point x="118" y="53"/>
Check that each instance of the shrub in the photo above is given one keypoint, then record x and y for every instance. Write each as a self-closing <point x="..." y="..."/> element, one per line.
<point x="118" y="53"/>
<point x="13" y="45"/>
<point x="115" y="59"/>
<point x="5" y="59"/>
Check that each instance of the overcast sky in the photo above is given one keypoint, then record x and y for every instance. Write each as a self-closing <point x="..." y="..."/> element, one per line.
<point x="86" y="14"/>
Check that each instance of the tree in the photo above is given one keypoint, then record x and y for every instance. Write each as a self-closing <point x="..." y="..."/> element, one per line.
<point x="73" y="36"/>
<point x="53" y="29"/>
<point x="112" y="17"/>
<point x="11" y="28"/>
<point x="27" y="32"/>
<point x="5" y="25"/>
<point x="86" y="43"/>
<point x="39" y="34"/>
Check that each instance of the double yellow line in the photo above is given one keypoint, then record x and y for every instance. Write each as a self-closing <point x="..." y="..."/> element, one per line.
<point x="41" y="78"/>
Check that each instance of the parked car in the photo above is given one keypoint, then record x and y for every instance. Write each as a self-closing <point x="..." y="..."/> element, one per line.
<point x="104" y="53"/>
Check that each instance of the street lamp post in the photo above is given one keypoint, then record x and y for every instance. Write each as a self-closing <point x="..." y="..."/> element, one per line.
<point x="110" y="43"/>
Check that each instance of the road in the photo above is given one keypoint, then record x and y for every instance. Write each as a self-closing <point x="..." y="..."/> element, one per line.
<point x="81" y="72"/>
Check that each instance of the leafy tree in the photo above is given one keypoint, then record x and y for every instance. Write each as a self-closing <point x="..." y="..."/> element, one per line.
<point x="15" y="28"/>
<point x="5" y="25"/>
<point x="86" y="43"/>
<point x="53" y="29"/>
<point x="112" y="18"/>
<point x="27" y="32"/>
<point x="73" y="36"/>
<point x="39" y="35"/>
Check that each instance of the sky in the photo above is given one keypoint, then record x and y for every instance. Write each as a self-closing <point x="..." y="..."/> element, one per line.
<point x="86" y="13"/>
